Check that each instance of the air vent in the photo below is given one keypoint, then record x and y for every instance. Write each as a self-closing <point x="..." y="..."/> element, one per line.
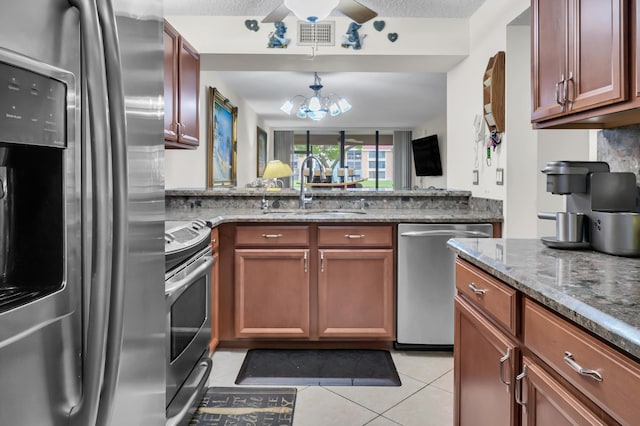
<point x="320" y="34"/>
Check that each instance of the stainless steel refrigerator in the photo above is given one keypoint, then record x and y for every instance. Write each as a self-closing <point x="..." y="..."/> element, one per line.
<point x="82" y="321"/>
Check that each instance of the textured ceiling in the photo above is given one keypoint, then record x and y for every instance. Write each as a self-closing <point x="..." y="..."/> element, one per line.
<point x="385" y="8"/>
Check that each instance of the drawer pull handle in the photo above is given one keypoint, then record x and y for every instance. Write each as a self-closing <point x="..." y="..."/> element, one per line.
<point x="272" y="235"/>
<point x="518" y="391"/>
<point x="354" y="236"/>
<point x="322" y="261"/>
<point x="477" y="290"/>
<point x="571" y="362"/>
<point x="306" y="262"/>
<point x="502" y="361"/>
<point x="213" y="241"/>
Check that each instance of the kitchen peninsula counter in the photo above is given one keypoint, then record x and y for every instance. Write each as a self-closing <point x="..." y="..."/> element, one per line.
<point x="597" y="291"/>
<point x="244" y="205"/>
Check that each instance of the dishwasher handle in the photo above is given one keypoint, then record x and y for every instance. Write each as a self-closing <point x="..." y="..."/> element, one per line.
<point x="446" y="232"/>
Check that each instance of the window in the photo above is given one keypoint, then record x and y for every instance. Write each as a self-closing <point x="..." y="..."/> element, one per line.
<point x="345" y="156"/>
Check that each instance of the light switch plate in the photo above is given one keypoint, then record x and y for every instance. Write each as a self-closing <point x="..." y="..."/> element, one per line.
<point x="499" y="176"/>
<point x="476" y="177"/>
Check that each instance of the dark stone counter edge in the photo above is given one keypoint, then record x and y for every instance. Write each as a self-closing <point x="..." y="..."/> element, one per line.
<point x="620" y="334"/>
<point x="316" y="192"/>
<point x="373" y="216"/>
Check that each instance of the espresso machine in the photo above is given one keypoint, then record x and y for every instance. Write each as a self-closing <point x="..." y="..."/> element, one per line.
<point x="602" y="211"/>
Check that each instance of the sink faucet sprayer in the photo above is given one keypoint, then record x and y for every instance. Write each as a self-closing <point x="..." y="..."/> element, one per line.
<point x="307" y="200"/>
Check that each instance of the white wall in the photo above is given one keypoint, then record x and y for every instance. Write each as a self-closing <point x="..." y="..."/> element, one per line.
<point x="416" y="36"/>
<point x="521" y="168"/>
<point x="523" y="151"/>
<point x="188" y="168"/>
<point x="464" y="101"/>
<point x="436" y="126"/>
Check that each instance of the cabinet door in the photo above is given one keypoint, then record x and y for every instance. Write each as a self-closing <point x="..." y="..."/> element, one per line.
<point x="485" y="360"/>
<point x="597" y="61"/>
<point x="171" y="37"/>
<point x="271" y="293"/>
<point x="549" y="56"/>
<point x="189" y="75"/>
<point x="356" y="293"/>
<point x="547" y="402"/>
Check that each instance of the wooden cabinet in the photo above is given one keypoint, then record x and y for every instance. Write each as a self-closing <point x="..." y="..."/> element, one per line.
<point x="485" y="361"/>
<point x="272" y="293"/>
<point x="592" y="367"/>
<point x="491" y="296"/>
<point x="314" y="282"/>
<point x="579" y="57"/>
<point x="355" y="282"/>
<point x="181" y="91"/>
<point x="215" y="280"/>
<point x="272" y="281"/>
<point x="558" y="374"/>
<point x="545" y="401"/>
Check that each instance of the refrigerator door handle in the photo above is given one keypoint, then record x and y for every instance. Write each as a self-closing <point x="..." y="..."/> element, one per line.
<point x="119" y="173"/>
<point x="85" y="413"/>
<point x="446" y="232"/>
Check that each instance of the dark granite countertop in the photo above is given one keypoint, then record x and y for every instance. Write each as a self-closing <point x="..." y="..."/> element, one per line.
<point x="222" y="215"/>
<point x="600" y="292"/>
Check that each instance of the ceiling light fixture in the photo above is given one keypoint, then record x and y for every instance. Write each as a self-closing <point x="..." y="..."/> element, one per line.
<point x="311" y="11"/>
<point x="317" y="106"/>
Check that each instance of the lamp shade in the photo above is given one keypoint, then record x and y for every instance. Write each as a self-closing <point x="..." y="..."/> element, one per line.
<point x="276" y="169"/>
<point x="311" y="11"/>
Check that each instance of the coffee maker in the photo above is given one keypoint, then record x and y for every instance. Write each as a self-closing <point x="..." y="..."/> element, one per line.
<point x="605" y="199"/>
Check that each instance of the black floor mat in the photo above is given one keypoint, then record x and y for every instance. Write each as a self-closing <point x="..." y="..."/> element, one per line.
<point x="325" y="367"/>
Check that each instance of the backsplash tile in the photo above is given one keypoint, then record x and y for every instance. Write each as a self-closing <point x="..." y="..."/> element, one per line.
<point x="620" y="148"/>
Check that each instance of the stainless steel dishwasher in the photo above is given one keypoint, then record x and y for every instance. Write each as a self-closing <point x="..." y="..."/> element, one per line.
<point x="426" y="283"/>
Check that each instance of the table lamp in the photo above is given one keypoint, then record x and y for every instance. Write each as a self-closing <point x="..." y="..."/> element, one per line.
<point x="275" y="170"/>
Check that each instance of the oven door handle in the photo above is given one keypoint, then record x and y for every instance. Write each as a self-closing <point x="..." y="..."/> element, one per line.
<point x="197" y="381"/>
<point x="174" y="288"/>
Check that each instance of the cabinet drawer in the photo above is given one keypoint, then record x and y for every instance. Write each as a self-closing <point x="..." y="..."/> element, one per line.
<point x="273" y="236"/>
<point x="490" y="295"/>
<point x="355" y="236"/>
<point x="552" y="338"/>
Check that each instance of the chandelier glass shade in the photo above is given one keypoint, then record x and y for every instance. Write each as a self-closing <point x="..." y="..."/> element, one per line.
<point x="311" y="11"/>
<point x="317" y="106"/>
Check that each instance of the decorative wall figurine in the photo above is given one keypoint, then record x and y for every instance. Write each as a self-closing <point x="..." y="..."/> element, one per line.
<point x="277" y="37"/>
<point x="352" y="38"/>
<point x="252" y="25"/>
<point x="392" y="37"/>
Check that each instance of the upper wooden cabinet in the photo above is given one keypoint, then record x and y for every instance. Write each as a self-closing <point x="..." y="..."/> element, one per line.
<point x="580" y="60"/>
<point x="181" y="88"/>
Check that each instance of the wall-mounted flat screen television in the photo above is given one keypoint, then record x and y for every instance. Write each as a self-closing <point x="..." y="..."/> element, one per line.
<point x="426" y="156"/>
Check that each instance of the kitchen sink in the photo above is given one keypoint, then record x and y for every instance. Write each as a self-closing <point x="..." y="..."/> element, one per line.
<point x="324" y="212"/>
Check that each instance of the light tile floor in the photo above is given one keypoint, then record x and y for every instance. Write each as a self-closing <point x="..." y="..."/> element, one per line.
<point x="424" y="399"/>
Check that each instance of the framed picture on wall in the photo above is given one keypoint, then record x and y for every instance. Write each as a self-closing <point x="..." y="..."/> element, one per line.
<point x="262" y="151"/>
<point x="222" y="119"/>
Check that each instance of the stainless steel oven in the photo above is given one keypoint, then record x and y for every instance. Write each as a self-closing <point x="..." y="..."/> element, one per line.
<point x="188" y="259"/>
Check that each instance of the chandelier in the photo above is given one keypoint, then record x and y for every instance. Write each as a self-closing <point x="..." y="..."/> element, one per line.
<point x="317" y="106"/>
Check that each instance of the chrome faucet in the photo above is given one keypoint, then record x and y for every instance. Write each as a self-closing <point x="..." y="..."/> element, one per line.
<point x="303" y="199"/>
